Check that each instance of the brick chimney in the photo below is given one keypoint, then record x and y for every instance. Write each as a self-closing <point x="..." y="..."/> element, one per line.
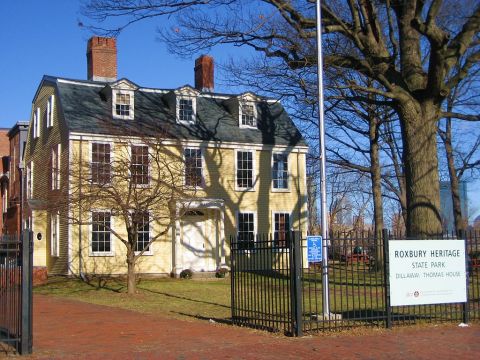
<point x="102" y="59"/>
<point x="204" y="73"/>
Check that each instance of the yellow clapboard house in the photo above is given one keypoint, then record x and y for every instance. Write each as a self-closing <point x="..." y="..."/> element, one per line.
<point x="188" y="167"/>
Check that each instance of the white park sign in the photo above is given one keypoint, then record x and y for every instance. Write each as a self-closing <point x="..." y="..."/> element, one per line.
<point x="427" y="272"/>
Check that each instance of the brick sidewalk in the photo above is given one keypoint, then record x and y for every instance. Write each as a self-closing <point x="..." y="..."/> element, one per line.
<point x="65" y="329"/>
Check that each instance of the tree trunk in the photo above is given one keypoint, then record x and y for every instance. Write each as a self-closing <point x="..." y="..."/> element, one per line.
<point x="454" y="181"/>
<point x="131" y="275"/>
<point x="419" y="132"/>
<point x="376" y="177"/>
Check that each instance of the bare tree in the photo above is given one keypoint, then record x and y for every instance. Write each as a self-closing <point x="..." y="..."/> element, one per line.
<point x="409" y="49"/>
<point x="139" y="180"/>
<point x="462" y="150"/>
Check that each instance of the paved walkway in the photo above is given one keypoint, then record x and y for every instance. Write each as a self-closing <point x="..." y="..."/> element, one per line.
<point x="66" y="329"/>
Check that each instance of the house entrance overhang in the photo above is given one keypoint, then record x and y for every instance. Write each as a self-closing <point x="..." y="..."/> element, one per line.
<point x="210" y="227"/>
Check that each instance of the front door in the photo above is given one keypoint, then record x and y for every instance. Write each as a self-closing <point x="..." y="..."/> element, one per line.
<point x="193" y="226"/>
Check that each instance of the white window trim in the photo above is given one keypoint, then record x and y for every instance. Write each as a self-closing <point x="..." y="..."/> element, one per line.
<point x="202" y="155"/>
<point x="254" y="170"/>
<point x="50" y="110"/>
<point x="150" y="156"/>
<point x="255" y="229"/>
<point x="56" y="182"/>
<point x="150" y="251"/>
<point x="57" y="240"/>
<point x="90" y="154"/>
<point x="112" y="225"/>
<point x="272" y="227"/>
<point x="30" y="177"/>
<point x="240" y="113"/>
<point x="131" y="115"/>
<point x="177" y="108"/>
<point x="36" y="123"/>
<point x="281" y="190"/>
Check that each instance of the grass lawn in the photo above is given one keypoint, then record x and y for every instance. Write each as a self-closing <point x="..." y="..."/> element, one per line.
<point x="178" y="298"/>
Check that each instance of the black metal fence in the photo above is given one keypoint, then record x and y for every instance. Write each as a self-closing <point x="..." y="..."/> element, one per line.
<point x="16" y="293"/>
<point x="275" y="288"/>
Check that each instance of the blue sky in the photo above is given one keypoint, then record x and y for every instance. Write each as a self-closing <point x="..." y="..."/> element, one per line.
<point x="44" y="37"/>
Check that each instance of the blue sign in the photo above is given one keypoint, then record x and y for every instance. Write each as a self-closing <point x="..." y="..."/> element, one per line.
<point x="314" y="248"/>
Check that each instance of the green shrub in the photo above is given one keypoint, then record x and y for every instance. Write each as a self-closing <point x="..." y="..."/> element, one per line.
<point x="186" y="274"/>
<point x="221" y="273"/>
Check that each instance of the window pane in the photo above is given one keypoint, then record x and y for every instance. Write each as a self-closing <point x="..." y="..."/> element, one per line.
<point x="101" y="232"/>
<point x="142" y="221"/>
<point x="281" y="232"/>
<point x="248" y="115"/>
<point x="280" y="171"/>
<point x="193" y="167"/>
<point x="100" y="166"/>
<point x="139" y="166"/>
<point x="122" y="105"/>
<point x="245" y="169"/>
<point x="185" y="110"/>
<point x="246" y="231"/>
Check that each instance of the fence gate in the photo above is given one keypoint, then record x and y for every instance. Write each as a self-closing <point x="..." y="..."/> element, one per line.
<point x="16" y="292"/>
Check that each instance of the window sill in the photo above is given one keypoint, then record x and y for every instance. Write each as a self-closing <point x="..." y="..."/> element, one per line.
<point x="279" y="190"/>
<point x="101" y="254"/>
<point x="245" y="189"/>
<point x="147" y="253"/>
<point x="248" y="127"/>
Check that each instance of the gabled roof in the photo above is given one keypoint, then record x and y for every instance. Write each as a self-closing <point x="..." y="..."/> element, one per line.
<point x="86" y="111"/>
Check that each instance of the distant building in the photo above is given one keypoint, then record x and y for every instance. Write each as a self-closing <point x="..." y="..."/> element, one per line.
<point x="17" y="137"/>
<point x="4" y="154"/>
<point x="446" y="205"/>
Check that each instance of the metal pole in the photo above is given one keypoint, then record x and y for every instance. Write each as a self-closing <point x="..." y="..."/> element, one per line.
<point x="323" y="186"/>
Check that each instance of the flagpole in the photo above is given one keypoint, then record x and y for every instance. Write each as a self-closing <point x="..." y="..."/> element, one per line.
<point x="323" y="186"/>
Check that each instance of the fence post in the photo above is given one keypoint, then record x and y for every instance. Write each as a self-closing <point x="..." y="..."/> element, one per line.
<point x="466" y="306"/>
<point x="232" y="277"/>
<point x="386" y="279"/>
<point x="296" y="283"/>
<point x="27" y="306"/>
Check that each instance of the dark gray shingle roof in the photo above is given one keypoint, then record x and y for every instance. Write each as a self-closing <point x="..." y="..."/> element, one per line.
<point x="85" y="111"/>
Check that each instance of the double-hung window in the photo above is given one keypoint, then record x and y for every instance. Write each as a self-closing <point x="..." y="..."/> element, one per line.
<point x="246" y="230"/>
<point x="142" y="222"/>
<point x="56" y="167"/>
<point x="123" y="107"/>
<point x="281" y="229"/>
<point x="245" y="170"/>
<point x="186" y="109"/>
<point x="248" y="116"/>
<point x="280" y="171"/>
<point x="101" y="243"/>
<point x="139" y="166"/>
<point x="193" y="167"/>
<point x="54" y="234"/>
<point x="50" y="109"/>
<point x="101" y="164"/>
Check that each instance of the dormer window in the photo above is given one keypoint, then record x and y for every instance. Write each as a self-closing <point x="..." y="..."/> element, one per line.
<point x="121" y="95"/>
<point x="248" y="115"/>
<point x="184" y="100"/>
<point x="123" y="105"/>
<point x="185" y="110"/>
